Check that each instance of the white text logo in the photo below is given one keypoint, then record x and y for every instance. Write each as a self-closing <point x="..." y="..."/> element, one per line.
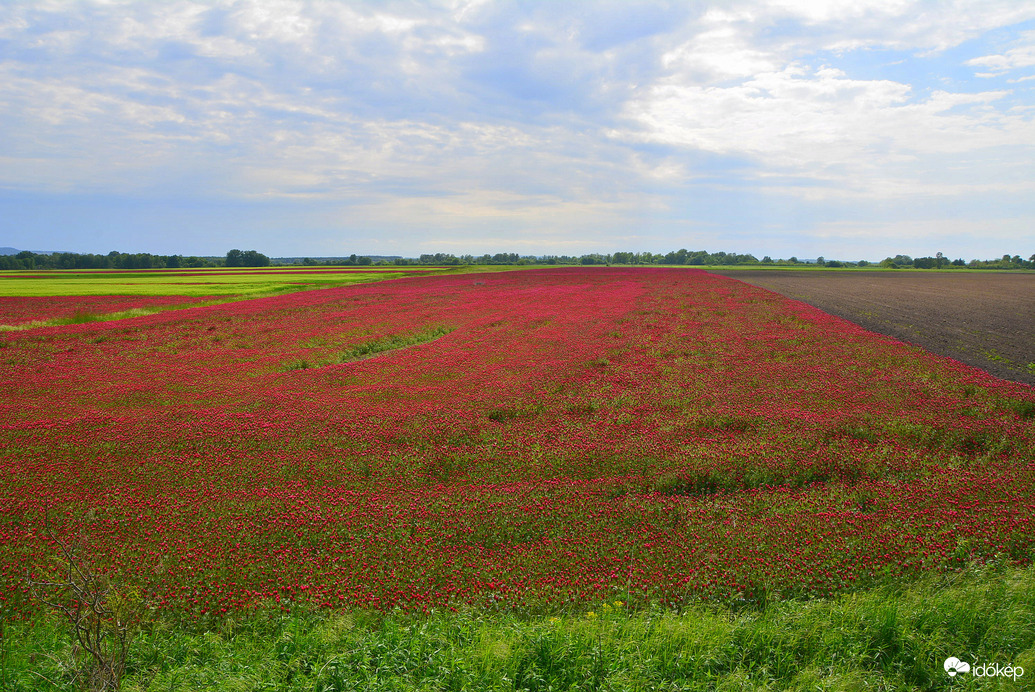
<point x="953" y="666"/>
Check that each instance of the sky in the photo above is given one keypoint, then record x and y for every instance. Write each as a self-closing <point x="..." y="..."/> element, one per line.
<point x="851" y="129"/>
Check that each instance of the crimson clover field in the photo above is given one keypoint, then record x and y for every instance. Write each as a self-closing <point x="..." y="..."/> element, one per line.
<point x="529" y="439"/>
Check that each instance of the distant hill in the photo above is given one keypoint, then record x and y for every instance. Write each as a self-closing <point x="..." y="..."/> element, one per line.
<point x="15" y="251"/>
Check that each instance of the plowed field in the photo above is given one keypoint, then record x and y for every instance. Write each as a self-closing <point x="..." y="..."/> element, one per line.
<point x="985" y="320"/>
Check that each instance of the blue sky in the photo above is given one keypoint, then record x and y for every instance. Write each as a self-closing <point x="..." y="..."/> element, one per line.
<point x="848" y="129"/>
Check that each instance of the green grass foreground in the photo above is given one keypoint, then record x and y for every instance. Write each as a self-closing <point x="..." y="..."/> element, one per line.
<point x="885" y="639"/>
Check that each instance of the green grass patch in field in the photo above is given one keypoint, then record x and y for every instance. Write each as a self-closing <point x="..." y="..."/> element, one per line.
<point x="88" y="317"/>
<point x="369" y="348"/>
<point x="1024" y="409"/>
<point x="893" y="638"/>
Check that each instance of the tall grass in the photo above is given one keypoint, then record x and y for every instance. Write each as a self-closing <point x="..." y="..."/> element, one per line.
<point x="887" y="639"/>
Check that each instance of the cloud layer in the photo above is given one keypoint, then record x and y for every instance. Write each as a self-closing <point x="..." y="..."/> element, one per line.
<point x="782" y="127"/>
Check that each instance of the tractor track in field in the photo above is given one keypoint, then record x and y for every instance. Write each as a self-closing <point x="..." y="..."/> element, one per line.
<point x="986" y="319"/>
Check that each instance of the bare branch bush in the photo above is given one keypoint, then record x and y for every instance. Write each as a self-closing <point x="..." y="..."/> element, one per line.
<point x="104" y="617"/>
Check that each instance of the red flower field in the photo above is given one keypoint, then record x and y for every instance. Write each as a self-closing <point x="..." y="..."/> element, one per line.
<point x="16" y="311"/>
<point x="520" y="439"/>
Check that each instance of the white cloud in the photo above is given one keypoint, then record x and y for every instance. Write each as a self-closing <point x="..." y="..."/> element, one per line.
<point x="1016" y="58"/>
<point x="718" y="54"/>
<point x="820" y="11"/>
<point x="819" y="124"/>
<point x="275" y="20"/>
<point x="925" y="25"/>
<point x="790" y="117"/>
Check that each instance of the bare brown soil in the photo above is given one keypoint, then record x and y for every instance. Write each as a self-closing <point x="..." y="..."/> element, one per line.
<point x="986" y="320"/>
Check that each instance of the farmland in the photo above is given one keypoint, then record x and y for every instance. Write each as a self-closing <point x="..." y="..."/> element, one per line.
<point x="537" y="442"/>
<point x="984" y="319"/>
<point x="35" y="299"/>
<point x="216" y="281"/>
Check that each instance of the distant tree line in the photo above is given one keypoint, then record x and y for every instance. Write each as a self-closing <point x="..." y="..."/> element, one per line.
<point x="350" y="261"/>
<point x="703" y="258"/>
<point x="113" y="260"/>
<point x="698" y="257"/>
<point x="939" y="261"/>
<point x="126" y="260"/>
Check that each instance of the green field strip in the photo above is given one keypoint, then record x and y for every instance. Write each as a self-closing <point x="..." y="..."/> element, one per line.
<point x="193" y="283"/>
<point x="229" y="288"/>
<point x="370" y="348"/>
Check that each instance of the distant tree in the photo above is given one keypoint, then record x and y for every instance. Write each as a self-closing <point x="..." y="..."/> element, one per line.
<point x="27" y="259"/>
<point x="820" y="261"/>
<point x="959" y="262"/>
<point x="677" y="257"/>
<point x="863" y="263"/>
<point x="444" y="258"/>
<point x="247" y="258"/>
<point x="140" y="260"/>
<point x="715" y="258"/>
<point x="834" y="264"/>
<point x="767" y="260"/>
<point x="888" y="263"/>
<point x="253" y="258"/>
